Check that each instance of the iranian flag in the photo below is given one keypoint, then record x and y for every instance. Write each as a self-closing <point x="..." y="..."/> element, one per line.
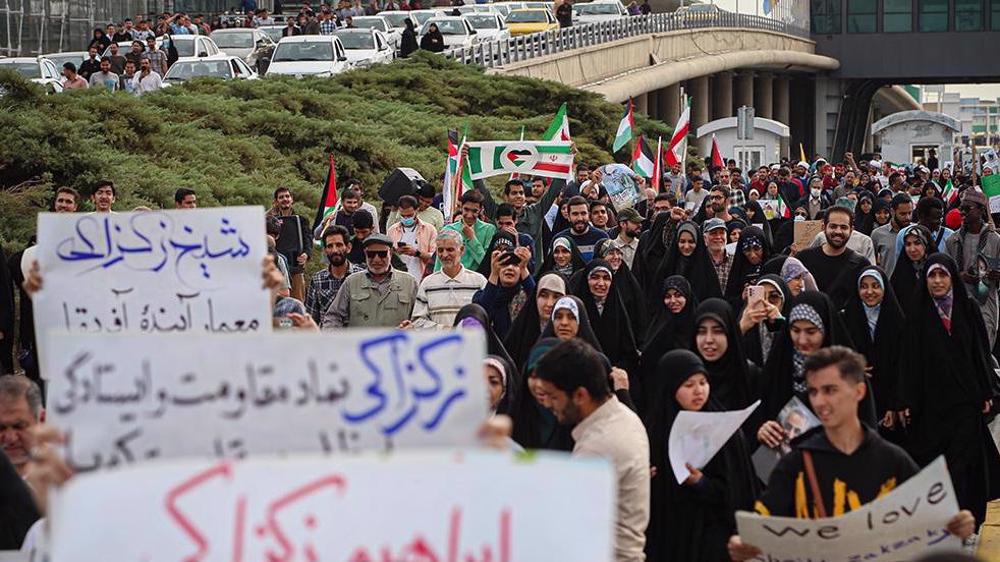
<point x="559" y="128"/>
<point x="552" y="159"/>
<point x="455" y="183"/>
<point x="678" y="142"/>
<point x="642" y="159"/>
<point x="625" y="128"/>
<point x="991" y="187"/>
<point x="328" y="201"/>
<point x="950" y="193"/>
<point x="716" y="154"/>
<point x="775" y="208"/>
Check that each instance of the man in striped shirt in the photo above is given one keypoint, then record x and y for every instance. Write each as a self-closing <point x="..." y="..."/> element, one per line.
<point x="442" y="293"/>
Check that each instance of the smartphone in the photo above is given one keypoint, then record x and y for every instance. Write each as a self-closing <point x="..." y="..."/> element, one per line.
<point x="510" y="258"/>
<point x="400" y="244"/>
<point x="755" y="294"/>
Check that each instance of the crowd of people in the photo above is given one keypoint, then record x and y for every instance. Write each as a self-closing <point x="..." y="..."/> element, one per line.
<point x="604" y="323"/>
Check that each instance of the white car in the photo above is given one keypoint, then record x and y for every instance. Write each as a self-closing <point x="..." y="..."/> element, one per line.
<point x="598" y="10"/>
<point x="365" y="47"/>
<point x="309" y="55"/>
<point x="188" y="46"/>
<point x="39" y="70"/>
<point x="420" y="17"/>
<point x="59" y="59"/>
<point x="226" y="67"/>
<point x="247" y="43"/>
<point x="489" y="27"/>
<point x="457" y="32"/>
<point x="380" y="23"/>
<point x="275" y="32"/>
<point x="396" y="19"/>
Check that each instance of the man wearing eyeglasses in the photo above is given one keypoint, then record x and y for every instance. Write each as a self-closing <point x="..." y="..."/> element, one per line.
<point x="381" y="297"/>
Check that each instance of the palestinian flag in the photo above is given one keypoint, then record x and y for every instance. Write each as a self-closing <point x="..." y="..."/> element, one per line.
<point x="551" y="159"/>
<point x="625" y="128"/>
<point x="517" y="175"/>
<point x="717" y="154"/>
<point x="559" y="128"/>
<point x="950" y="193"/>
<point x="328" y="201"/>
<point x="677" y="149"/>
<point x="642" y="159"/>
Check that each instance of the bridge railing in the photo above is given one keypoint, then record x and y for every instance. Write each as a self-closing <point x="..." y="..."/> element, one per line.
<point x="494" y="54"/>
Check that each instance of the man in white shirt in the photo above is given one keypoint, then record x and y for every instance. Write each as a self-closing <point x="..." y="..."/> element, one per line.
<point x="574" y="378"/>
<point x="146" y="80"/>
<point x="443" y="293"/>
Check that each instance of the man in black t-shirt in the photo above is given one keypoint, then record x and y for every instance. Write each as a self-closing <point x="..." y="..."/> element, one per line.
<point x="833" y="264"/>
<point x="852" y="465"/>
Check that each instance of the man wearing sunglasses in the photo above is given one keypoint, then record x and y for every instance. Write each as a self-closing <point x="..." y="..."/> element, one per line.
<point x="381" y="297"/>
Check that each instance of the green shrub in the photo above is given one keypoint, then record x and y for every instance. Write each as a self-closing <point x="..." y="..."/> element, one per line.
<point x="234" y="142"/>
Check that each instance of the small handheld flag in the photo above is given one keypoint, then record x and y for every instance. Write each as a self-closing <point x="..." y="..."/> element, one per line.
<point x="625" y="128"/>
<point x="328" y="201"/>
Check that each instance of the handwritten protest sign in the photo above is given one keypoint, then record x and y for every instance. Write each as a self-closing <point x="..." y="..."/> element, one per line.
<point x="697" y="436"/>
<point x="444" y="506"/>
<point x="899" y="526"/>
<point x="129" y="398"/>
<point x="805" y="231"/>
<point x="151" y="272"/>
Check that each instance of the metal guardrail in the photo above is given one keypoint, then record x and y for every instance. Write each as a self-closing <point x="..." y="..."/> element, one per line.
<point x="495" y="54"/>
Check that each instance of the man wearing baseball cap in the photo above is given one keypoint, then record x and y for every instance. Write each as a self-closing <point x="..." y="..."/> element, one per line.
<point x="716" y="236"/>
<point x="381" y="297"/>
<point x="629" y="229"/>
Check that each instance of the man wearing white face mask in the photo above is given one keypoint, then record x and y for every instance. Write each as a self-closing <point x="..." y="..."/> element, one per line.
<point x="413" y="239"/>
<point x="815" y="202"/>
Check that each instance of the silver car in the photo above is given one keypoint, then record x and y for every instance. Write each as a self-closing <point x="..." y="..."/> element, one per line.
<point x="254" y="46"/>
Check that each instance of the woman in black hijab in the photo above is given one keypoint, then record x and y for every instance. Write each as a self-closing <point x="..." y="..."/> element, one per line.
<point x="408" y="43"/>
<point x="759" y="337"/>
<point x="864" y="213"/>
<point x="650" y="252"/>
<point x="688" y="257"/>
<point x="947" y="384"/>
<point x="913" y="245"/>
<point x="628" y="287"/>
<point x="718" y="342"/>
<point x="474" y="315"/>
<point x="672" y="328"/>
<point x="752" y="251"/>
<point x="99" y="41"/>
<point x="881" y="213"/>
<point x="564" y="258"/>
<point x="532" y="320"/>
<point x="692" y="521"/>
<point x="535" y="427"/>
<point x="432" y="41"/>
<point x="815" y="324"/>
<point x="755" y="217"/>
<point x="875" y="320"/>
<point x="596" y="288"/>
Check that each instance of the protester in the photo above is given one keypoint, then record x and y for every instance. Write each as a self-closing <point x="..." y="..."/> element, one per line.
<point x="294" y="239"/>
<point x="378" y="297"/>
<point x="146" y="80"/>
<point x="564" y="258"/>
<point x="476" y="234"/>
<point x="534" y="317"/>
<point x="847" y="455"/>
<point x="833" y="264"/>
<point x="884" y="237"/>
<point x="326" y="283"/>
<point x="693" y="520"/>
<point x="432" y="41"/>
<point x="534" y="424"/>
<point x="719" y="344"/>
<point x="576" y="388"/>
<point x="672" y="328"/>
<point x="72" y="80"/>
<point x="414" y="239"/>
<point x="762" y="319"/>
<point x="975" y="239"/>
<point x="408" y="43"/>
<point x="507" y="289"/>
<point x="443" y="293"/>
<point x="913" y="246"/>
<point x="595" y="288"/>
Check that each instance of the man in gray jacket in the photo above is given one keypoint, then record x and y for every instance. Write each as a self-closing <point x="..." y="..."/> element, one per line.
<point x="884" y="237"/>
<point x="977" y="237"/>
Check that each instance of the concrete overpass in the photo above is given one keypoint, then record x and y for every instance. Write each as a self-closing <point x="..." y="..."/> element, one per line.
<point x="723" y="61"/>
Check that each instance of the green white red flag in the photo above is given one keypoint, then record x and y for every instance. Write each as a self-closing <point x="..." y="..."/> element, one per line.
<point x="328" y="201"/>
<point x="559" y="128"/>
<point x="677" y="149"/>
<point x="552" y="159"/>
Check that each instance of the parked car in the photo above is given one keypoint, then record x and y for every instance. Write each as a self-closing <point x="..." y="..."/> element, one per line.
<point x="420" y="17"/>
<point x="309" y="55"/>
<point x="531" y="20"/>
<point x="273" y="31"/>
<point x="456" y="30"/>
<point x="396" y="18"/>
<point x="188" y="46"/>
<point x="226" y="67"/>
<point x="380" y="23"/>
<point x="252" y="45"/>
<point x="598" y="10"/>
<point x="39" y="70"/>
<point x="489" y="27"/>
<point x="59" y="59"/>
<point x="365" y="47"/>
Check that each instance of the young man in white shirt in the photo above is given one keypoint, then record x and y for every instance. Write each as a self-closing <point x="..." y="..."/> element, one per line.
<point x="146" y="80"/>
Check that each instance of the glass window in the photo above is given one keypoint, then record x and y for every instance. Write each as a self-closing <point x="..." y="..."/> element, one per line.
<point x="933" y="15"/>
<point x="861" y="16"/>
<point x="825" y="16"/>
<point x="968" y="15"/>
<point x="897" y="16"/>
